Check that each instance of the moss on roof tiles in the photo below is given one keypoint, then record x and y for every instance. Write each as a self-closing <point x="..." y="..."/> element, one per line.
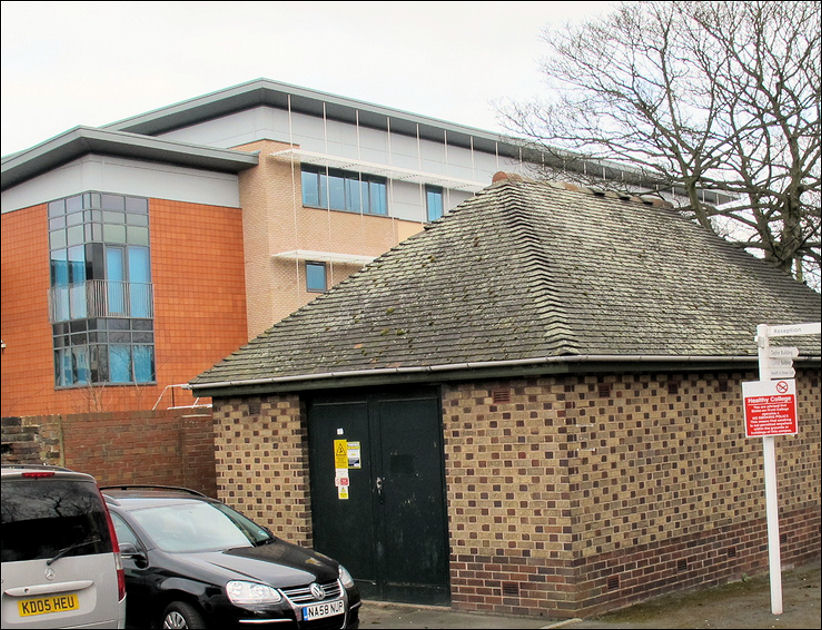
<point x="528" y="270"/>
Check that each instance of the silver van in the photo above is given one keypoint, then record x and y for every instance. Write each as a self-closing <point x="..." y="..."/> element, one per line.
<point x="61" y="565"/>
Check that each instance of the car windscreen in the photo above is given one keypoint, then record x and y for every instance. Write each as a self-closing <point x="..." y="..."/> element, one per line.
<point x="198" y="526"/>
<point x="51" y="518"/>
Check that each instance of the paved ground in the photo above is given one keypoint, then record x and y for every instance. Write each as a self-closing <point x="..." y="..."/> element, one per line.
<point x="739" y="605"/>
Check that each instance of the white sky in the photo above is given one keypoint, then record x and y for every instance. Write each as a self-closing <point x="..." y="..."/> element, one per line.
<point x="91" y="63"/>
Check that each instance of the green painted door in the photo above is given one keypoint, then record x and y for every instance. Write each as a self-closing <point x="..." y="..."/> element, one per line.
<point x="383" y="515"/>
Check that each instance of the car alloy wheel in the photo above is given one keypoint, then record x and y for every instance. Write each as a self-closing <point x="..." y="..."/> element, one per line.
<point x="180" y="615"/>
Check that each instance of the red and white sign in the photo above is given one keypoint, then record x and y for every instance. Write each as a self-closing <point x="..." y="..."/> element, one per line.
<point x="770" y="408"/>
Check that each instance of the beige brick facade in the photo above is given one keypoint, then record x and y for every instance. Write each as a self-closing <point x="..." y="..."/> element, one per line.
<point x="275" y="221"/>
<point x="570" y="495"/>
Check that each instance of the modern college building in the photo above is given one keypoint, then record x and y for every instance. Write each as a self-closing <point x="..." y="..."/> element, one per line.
<point x="137" y="254"/>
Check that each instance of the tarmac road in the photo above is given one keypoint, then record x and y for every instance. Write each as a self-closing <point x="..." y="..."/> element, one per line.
<point x="745" y="604"/>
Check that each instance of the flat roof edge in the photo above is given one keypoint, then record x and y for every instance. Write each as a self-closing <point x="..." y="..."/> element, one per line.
<point x="81" y="141"/>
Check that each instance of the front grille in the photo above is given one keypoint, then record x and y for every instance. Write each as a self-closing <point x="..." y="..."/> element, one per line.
<point x="301" y="595"/>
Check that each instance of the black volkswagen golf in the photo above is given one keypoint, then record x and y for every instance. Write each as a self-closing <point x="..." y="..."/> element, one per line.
<point x="193" y="562"/>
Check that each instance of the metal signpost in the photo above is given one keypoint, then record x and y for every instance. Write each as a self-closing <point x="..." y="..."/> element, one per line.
<point x="770" y="410"/>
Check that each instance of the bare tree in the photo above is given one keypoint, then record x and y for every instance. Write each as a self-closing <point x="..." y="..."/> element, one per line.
<point x="699" y="96"/>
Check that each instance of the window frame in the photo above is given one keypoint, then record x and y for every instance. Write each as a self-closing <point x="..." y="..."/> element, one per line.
<point x="434" y="190"/>
<point x="343" y="191"/>
<point x="84" y="343"/>
<point x="319" y="265"/>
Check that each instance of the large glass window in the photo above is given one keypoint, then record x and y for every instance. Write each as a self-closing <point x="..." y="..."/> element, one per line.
<point x="101" y="293"/>
<point x="104" y="350"/>
<point x="341" y="190"/>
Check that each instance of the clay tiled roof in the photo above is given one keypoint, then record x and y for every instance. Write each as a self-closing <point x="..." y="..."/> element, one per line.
<point x="528" y="271"/>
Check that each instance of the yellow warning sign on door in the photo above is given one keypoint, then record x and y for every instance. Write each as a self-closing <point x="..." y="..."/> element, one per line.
<point x="340" y="453"/>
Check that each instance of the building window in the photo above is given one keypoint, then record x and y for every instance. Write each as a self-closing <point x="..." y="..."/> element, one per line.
<point x="341" y="190"/>
<point x="103" y="350"/>
<point x="315" y="277"/>
<point x="101" y="297"/>
<point x="433" y="202"/>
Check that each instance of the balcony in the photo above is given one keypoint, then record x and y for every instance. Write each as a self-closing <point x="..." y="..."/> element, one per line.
<point x="101" y="298"/>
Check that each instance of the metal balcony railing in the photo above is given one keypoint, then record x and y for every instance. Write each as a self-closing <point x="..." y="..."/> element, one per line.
<point x="101" y="298"/>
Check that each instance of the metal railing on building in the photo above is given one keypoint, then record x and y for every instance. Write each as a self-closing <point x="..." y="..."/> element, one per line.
<point x="101" y="298"/>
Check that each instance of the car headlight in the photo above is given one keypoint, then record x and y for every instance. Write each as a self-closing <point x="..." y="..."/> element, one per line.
<point x="345" y="577"/>
<point x="244" y="593"/>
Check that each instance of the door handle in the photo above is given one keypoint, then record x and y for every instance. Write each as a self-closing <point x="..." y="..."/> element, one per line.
<point x="378" y="485"/>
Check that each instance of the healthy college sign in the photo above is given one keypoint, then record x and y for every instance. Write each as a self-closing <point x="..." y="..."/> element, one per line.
<point x="770" y="408"/>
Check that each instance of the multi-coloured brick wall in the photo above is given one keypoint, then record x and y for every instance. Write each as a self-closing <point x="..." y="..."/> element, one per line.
<point x="199" y="305"/>
<point x="574" y="495"/>
<point x="261" y="453"/>
<point x="570" y="495"/>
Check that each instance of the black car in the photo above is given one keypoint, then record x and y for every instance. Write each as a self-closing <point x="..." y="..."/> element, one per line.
<point x="193" y="562"/>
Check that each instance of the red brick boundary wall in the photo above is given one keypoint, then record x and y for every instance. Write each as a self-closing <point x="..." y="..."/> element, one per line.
<point x="168" y="447"/>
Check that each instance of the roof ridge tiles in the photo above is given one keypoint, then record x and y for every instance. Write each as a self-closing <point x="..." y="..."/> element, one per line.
<point x="502" y="178"/>
<point x="524" y="231"/>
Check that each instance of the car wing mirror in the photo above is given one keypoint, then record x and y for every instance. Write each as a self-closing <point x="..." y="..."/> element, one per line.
<point x="130" y="551"/>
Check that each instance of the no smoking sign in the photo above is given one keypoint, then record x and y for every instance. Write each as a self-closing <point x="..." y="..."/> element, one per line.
<point x="770" y="408"/>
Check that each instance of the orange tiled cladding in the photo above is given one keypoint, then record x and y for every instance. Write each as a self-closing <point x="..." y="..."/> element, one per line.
<point x="27" y="360"/>
<point x="199" y="299"/>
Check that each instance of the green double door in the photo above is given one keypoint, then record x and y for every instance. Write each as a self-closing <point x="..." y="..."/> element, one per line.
<point x="378" y="493"/>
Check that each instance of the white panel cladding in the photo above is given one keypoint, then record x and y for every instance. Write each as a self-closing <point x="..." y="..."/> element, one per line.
<point x="333" y="137"/>
<point x="126" y="177"/>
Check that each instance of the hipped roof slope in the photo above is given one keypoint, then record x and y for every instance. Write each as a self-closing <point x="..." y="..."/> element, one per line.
<point x="525" y="271"/>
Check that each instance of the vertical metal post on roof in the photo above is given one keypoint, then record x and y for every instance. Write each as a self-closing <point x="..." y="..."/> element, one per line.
<point x="391" y="179"/>
<point x="447" y="200"/>
<point x="473" y="164"/>
<point x="294" y="201"/>
<point x="423" y="213"/>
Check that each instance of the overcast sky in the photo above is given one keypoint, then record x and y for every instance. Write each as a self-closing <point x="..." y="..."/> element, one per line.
<point x="91" y="63"/>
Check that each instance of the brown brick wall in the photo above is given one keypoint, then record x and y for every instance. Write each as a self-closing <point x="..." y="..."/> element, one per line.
<point x="138" y="447"/>
<point x="570" y="495"/>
